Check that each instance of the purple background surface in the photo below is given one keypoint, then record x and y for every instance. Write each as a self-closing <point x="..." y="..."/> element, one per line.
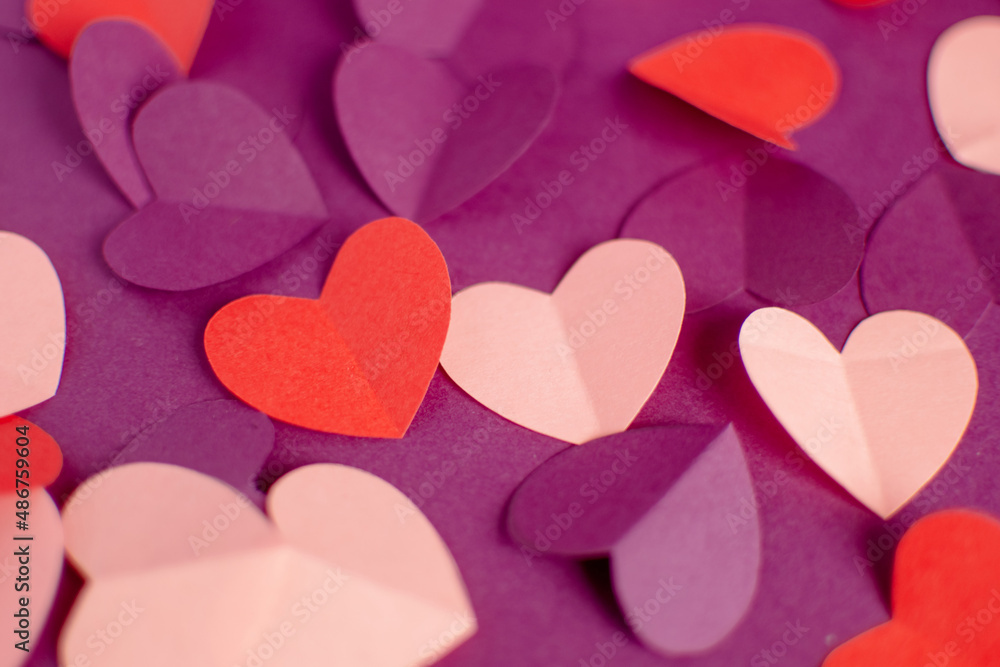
<point x="134" y="356"/>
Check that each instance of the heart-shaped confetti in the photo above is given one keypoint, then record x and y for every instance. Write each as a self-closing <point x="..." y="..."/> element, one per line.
<point x="179" y="23"/>
<point x="577" y="364"/>
<point x="32" y="325"/>
<point x="767" y="80"/>
<point x="358" y="360"/>
<point x="965" y="92"/>
<point x="426" y="141"/>
<point x="334" y="576"/>
<point x="656" y="501"/>
<point x="114" y="67"/>
<point x="881" y="417"/>
<point x="738" y="224"/>
<point x="945" y="598"/>
<point x="232" y="191"/>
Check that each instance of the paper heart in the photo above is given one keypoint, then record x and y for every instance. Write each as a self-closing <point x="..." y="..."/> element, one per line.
<point x="945" y="598"/>
<point x="738" y="223"/>
<point x="32" y="325"/>
<point x="881" y="417"/>
<point x="431" y="28"/>
<point x="196" y="575"/>
<point x="232" y="191"/>
<point x="358" y="360"/>
<point x="425" y="141"/>
<point x="179" y="23"/>
<point x="37" y="543"/>
<point x="965" y="93"/>
<point x="577" y="364"/>
<point x="767" y="80"/>
<point x="114" y="67"/>
<point x="937" y="250"/>
<point x="657" y="501"/>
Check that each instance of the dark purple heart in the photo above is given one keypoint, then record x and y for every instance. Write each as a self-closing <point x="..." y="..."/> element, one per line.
<point x="755" y="222"/>
<point x="937" y="250"/>
<point x="232" y="191"/>
<point x="114" y="67"/>
<point x="426" y="141"/>
<point x="667" y="505"/>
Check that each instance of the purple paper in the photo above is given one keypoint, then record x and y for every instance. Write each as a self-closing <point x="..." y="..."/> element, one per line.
<point x="231" y="191"/>
<point x="430" y="27"/>
<point x="424" y="140"/>
<point x="936" y="250"/>
<point x="754" y="221"/>
<point x="114" y="68"/>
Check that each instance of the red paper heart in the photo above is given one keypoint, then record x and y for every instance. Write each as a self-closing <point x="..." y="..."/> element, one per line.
<point x="945" y="599"/>
<point x="358" y="360"/>
<point x="43" y="454"/>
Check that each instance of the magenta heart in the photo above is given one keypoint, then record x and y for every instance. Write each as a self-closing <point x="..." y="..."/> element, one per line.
<point x="661" y="503"/>
<point x="232" y="191"/>
<point x="114" y="67"/>
<point x="426" y="141"/>
<point x="757" y="222"/>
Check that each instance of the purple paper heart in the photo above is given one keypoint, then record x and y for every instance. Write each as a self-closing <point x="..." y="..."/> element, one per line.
<point x="114" y="67"/>
<point x="232" y="442"/>
<point x="755" y="222"/>
<point x="663" y="503"/>
<point x="424" y="140"/>
<point x="232" y="191"/>
<point x="428" y="27"/>
<point x="937" y="250"/>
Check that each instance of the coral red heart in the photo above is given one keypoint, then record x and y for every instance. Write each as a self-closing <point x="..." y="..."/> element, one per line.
<point x="358" y="360"/>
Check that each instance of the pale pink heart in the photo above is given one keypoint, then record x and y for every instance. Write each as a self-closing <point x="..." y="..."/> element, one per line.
<point x="348" y="571"/>
<point x="882" y="416"/>
<point x="577" y="364"/>
<point x="45" y="562"/>
<point x="32" y="325"/>
<point x="963" y="83"/>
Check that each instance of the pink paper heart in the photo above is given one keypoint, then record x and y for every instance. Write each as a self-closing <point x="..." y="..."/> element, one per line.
<point x="577" y="364"/>
<point x="666" y="505"/>
<point x="114" y="67"/>
<point x="347" y="571"/>
<point x="32" y="325"/>
<point x="424" y="140"/>
<point x="882" y="416"/>
<point x="232" y="191"/>
<point x="430" y="28"/>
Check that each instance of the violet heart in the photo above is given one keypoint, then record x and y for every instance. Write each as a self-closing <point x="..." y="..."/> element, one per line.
<point x="232" y="191"/>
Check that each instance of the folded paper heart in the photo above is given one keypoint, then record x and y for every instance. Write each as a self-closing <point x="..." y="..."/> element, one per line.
<point x="424" y="140"/>
<point x="198" y="576"/>
<point x="936" y="250"/>
<point x="729" y="232"/>
<point x="882" y="416"/>
<point x="358" y="360"/>
<point x="30" y="461"/>
<point x="577" y="364"/>
<point x="659" y="503"/>
<point x="179" y="23"/>
<point x="232" y="191"/>
<point x="428" y="28"/>
<point x="767" y="80"/>
<point x="945" y="598"/>
<point x="32" y="325"/>
<point x="114" y="67"/>
<point x="964" y="91"/>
